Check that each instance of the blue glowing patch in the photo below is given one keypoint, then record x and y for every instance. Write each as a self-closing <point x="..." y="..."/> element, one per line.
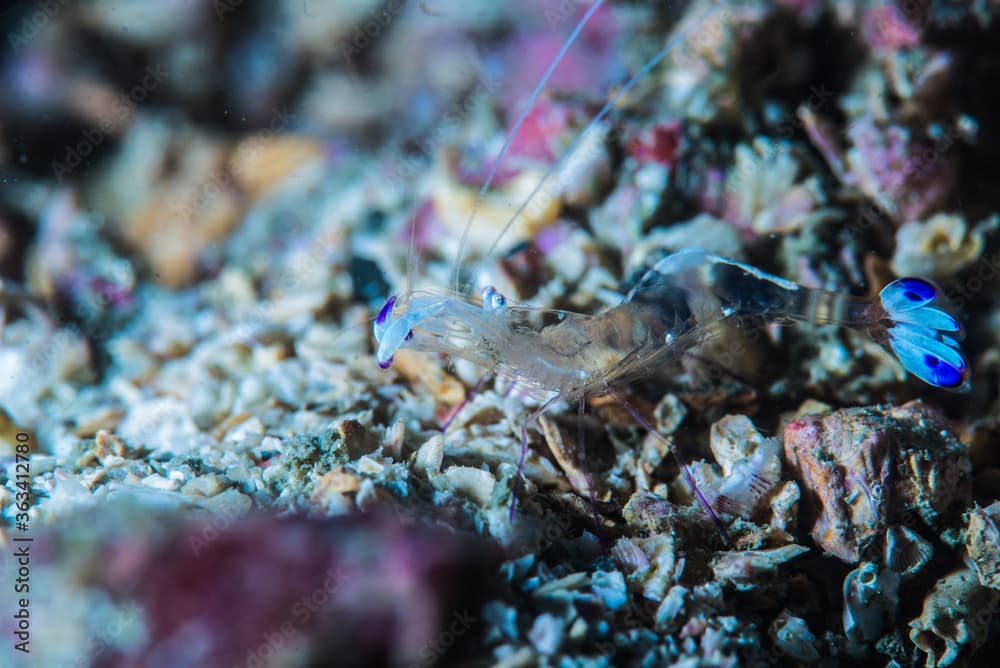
<point x="933" y="357"/>
<point x="923" y="336"/>
<point x="943" y="373"/>
<point x="906" y="294"/>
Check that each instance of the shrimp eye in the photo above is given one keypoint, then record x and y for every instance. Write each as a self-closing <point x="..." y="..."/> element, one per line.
<point x="493" y="300"/>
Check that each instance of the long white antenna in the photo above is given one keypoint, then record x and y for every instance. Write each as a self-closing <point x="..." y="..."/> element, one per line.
<point x="674" y="41"/>
<point x="510" y="139"/>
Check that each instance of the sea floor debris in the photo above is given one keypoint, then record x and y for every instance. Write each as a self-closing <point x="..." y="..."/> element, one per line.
<point x="221" y="475"/>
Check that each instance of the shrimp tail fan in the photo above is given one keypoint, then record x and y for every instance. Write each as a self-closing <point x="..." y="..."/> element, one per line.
<point x="923" y="334"/>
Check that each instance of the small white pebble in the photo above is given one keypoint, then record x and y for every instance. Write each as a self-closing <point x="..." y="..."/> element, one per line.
<point x="547" y="633"/>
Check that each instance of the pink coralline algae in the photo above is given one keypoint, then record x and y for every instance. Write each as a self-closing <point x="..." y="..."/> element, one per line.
<point x="583" y="69"/>
<point x="905" y="176"/>
<point x="658" y="143"/>
<point x="360" y="590"/>
<point x="863" y="468"/>
<point x="885" y="28"/>
<point x="544" y="125"/>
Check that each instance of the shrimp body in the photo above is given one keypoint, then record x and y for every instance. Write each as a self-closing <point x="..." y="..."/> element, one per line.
<point x="543" y="349"/>
<point x="675" y="305"/>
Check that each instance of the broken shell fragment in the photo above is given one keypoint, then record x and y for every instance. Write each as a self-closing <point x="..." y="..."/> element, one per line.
<point x="565" y="454"/>
<point x="937" y="247"/>
<point x="906" y="552"/>
<point x="652" y="562"/>
<point x="955" y="620"/>
<point x="870" y="596"/>
<point x="933" y="473"/>
<point x="750" y="462"/>
<point x="472" y="482"/>
<point x="982" y="544"/>
<point x="793" y="636"/>
<point x="746" y="568"/>
<point x="842" y="459"/>
<point x="430" y="455"/>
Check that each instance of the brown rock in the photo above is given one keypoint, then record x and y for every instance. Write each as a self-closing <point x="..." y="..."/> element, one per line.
<point x="862" y="468"/>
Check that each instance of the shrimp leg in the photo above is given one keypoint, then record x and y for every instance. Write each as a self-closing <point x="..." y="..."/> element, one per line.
<point x="465" y="400"/>
<point x="681" y="463"/>
<point x="524" y="450"/>
<point x="582" y="456"/>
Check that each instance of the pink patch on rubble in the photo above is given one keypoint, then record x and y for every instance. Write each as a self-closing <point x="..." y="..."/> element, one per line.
<point x="586" y="68"/>
<point x="542" y="127"/>
<point x="911" y="175"/>
<point x="427" y="228"/>
<point x="885" y="28"/>
<point x="657" y="144"/>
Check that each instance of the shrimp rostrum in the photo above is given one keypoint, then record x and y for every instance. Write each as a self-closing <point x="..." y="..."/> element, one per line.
<point x="677" y="303"/>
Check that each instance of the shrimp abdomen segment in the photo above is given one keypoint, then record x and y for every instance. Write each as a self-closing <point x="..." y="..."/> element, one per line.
<point x="691" y="289"/>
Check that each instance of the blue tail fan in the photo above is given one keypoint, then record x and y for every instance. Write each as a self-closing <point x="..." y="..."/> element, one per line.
<point x="923" y="336"/>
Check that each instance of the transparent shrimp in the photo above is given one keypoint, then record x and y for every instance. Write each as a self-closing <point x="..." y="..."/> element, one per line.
<point x="676" y="304"/>
<point x="685" y="298"/>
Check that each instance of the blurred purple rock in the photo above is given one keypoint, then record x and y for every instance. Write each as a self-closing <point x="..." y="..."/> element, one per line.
<point x="364" y="590"/>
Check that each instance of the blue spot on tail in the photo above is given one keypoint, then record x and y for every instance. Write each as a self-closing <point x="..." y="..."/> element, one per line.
<point x="918" y="290"/>
<point x="905" y="294"/>
<point x="943" y="373"/>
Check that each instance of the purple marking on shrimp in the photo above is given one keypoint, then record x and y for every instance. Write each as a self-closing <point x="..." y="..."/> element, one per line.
<point x="387" y="364"/>
<point x="383" y="315"/>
